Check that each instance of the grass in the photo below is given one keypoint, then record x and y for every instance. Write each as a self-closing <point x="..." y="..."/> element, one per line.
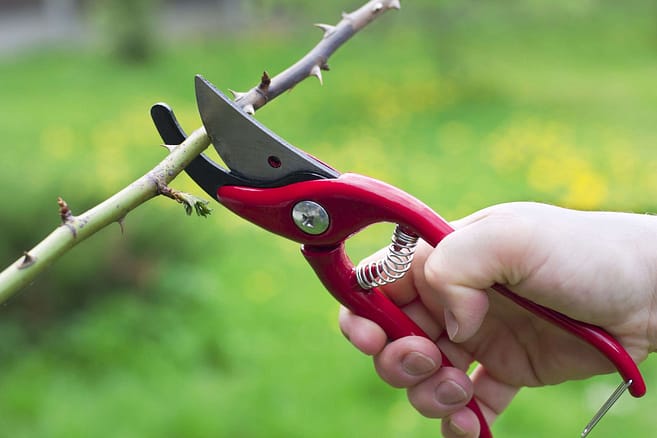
<point x="196" y="328"/>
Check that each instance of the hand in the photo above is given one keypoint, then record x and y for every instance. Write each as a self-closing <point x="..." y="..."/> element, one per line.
<point x="596" y="267"/>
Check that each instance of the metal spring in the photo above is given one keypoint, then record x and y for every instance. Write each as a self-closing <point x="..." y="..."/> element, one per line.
<point x="393" y="265"/>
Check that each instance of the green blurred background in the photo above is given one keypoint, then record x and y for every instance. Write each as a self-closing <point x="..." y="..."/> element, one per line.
<point x="191" y="327"/>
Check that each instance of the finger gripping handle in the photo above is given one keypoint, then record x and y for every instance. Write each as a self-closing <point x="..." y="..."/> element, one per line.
<point x="337" y="273"/>
<point x="354" y="202"/>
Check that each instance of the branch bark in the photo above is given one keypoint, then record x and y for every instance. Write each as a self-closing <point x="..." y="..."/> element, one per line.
<point x="315" y="61"/>
<point x="75" y="229"/>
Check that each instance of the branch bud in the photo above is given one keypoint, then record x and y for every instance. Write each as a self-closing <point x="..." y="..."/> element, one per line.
<point x="265" y="80"/>
<point x="191" y="203"/>
<point x="64" y="212"/>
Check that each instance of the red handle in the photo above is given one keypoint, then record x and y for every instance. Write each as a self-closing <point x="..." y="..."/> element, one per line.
<point x="353" y="202"/>
<point x="594" y="335"/>
<point x="337" y="273"/>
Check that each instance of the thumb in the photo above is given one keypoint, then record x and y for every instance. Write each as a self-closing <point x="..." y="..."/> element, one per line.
<point x="488" y="247"/>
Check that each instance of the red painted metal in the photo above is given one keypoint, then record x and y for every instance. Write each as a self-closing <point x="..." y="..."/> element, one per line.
<point x="354" y="202"/>
<point x="337" y="274"/>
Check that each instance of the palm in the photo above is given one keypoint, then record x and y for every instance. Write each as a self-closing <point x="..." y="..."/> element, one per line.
<point x="592" y="277"/>
<point x="593" y="267"/>
<point x="520" y="349"/>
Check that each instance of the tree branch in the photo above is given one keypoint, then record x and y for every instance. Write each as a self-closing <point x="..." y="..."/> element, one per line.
<point x="75" y="229"/>
<point x="316" y="60"/>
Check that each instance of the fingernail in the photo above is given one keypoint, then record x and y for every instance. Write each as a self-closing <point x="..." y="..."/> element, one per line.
<point x="451" y="324"/>
<point x="458" y="431"/>
<point x="417" y="364"/>
<point x="451" y="393"/>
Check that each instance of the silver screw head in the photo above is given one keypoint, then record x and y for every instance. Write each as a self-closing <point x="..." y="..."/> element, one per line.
<point x="310" y="217"/>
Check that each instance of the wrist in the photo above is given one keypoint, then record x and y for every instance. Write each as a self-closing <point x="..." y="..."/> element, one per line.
<point x="634" y="239"/>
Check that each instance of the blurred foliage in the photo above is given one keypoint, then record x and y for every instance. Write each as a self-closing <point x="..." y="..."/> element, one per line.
<point x="210" y="327"/>
<point x="127" y="27"/>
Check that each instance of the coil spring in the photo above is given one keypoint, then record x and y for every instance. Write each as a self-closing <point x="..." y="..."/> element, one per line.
<point x="395" y="263"/>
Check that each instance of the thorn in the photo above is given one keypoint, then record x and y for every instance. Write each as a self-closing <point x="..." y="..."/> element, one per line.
<point x="265" y="80"/>
<point x="64" y="212"/>
<point x="249" y="109"/>
<point x="169" y="147"/>
<point x="394" y="4"/>
<point x="327" y="28"/>
<point x="28" y="260"/>
<point x="237" y="95"/>
<point x="121" y="223"/>
<point x="317" y="72"/>
<point x="378" y="7"/>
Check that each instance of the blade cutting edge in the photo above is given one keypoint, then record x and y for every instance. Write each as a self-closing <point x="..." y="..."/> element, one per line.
<point x="246" y="146"/>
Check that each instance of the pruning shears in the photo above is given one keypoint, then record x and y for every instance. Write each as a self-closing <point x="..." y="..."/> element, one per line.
<point x="293" y="194"/>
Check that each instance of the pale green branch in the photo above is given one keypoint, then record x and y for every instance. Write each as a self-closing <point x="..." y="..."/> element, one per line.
<point x="316" y="60"/>
<point x="75" y="229"/>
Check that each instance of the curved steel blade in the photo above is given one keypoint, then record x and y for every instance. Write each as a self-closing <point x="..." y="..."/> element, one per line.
<point x="247" y="147"/>
<point x="205" y="172"/>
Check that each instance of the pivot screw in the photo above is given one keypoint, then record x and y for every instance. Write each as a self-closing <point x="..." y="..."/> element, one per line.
<point x="310" y="217"/>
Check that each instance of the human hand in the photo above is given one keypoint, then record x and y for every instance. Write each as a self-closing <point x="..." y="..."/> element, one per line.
<point x="595" y="267"/>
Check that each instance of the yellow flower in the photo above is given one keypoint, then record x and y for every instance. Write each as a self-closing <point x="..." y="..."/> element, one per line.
<point x="586" y="190"/>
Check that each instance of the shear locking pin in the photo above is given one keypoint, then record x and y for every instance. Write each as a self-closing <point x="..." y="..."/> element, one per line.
<point x="606" y="406"/>
<point x="310" y="217"/>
